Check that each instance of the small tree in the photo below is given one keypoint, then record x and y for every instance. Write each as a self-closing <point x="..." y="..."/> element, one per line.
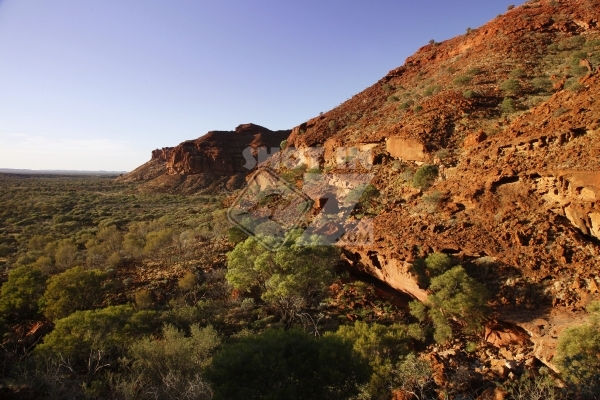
<point x="21" y="292"/>
<point x="414" y="375"/>
<point x="455" y="298"/>
<point x="66" y="254"/>
<point x="290" y="279"/>
<point x="74" y="289"/>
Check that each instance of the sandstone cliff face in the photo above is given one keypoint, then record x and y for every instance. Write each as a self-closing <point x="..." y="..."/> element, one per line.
<point x="215" y="161"/>
<point x="221" y="152"/>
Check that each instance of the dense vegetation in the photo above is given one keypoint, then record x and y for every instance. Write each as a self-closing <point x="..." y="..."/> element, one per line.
<point x="102" y="298"/>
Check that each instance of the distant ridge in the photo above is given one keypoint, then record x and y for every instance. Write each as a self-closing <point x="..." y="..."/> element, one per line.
<point x="57" y="172"/>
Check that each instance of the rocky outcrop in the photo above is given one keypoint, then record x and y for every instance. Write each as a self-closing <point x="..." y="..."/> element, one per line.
<point x="221" y="152"/>
<point x="219" y="160"/>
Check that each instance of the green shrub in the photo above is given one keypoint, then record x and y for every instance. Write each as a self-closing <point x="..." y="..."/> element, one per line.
<point x="591" y="44"/>
<point x="517" y="73"/>
<point x="284" y="144"/>
<point x="462" y="80"/>
<point x="530" y="385"/>
<point x="379" y="344"/>
<point x="392" y="99"/>
<point x="456" y="297"/>
<point x="105" y="332"/>
<point x="431" y="90"/>
<point x="173" y="363"/>
<point x="418" y="108"/>
<point x="508" y="105"/>
<point x="475" y="71"/>
<point x="74" y="289"/>
<point x="443" y="153"/>
<point x="332" y="124"/>
<point x="542" y="83"/>
<point x="577" y="354"/>
<point x="405" y="105"/>
<point x="289" y="364"/>
<point x="577" y="42"/>
<point x="469" y="94"/>
<point x="511" y="86"/>
<point x="579" y="70"/>
<point x="433" y="265"/>
<point x="573" y="85"/>
<point x="21" y="293"/>
<point x="425" y="176"/>
<point x="236" y="235"/>
<point x="364" y="193"/>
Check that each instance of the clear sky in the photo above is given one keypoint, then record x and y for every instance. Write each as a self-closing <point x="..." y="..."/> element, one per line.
<point x="98" y="84"/>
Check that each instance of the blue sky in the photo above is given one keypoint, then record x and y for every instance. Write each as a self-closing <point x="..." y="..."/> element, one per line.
<point x="97" y="85"/>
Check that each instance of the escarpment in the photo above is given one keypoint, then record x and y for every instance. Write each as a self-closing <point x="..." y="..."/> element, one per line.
<point x="219" y="160"/>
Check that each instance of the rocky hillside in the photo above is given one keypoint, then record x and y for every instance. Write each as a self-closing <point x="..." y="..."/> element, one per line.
<point x="212" y="162"/>
<point x="507" y="118"/>
<point x="507" y="115"/>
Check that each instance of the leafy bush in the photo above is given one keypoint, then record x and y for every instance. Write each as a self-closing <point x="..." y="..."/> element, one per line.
<point x="425" y="176"/>
<point x="95" y="336"/>
<point x="418" y="108"/>
<point x="455" y="298"/>
<point x="143" y="299"/>
<point x="431" y="90"/>
<point x="364" y="193"/>
<point x="287" y="365"/>
<point x="577" y="353"/>
<point x="508" y="105"/>
<point x="469" y="94"/>
<point x="475" y="71"/>
<point x="542" y="83"/>
<point x="462" y="80"/>
<point x="433" y="265"/>
<point x="573" y="85"/>
<point x="74" y="289"/>
<point x="379" y="344"/>
<point x="21" y="292"/>
<point x="517" y="73"/>
<point x="579" y="70"/>
<point x="511" y="86"/>
<point x="169" y="365"/>
<point x="284" y="144"/>
<point x="533" y="386"/>
<point x="392" y="99"/>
